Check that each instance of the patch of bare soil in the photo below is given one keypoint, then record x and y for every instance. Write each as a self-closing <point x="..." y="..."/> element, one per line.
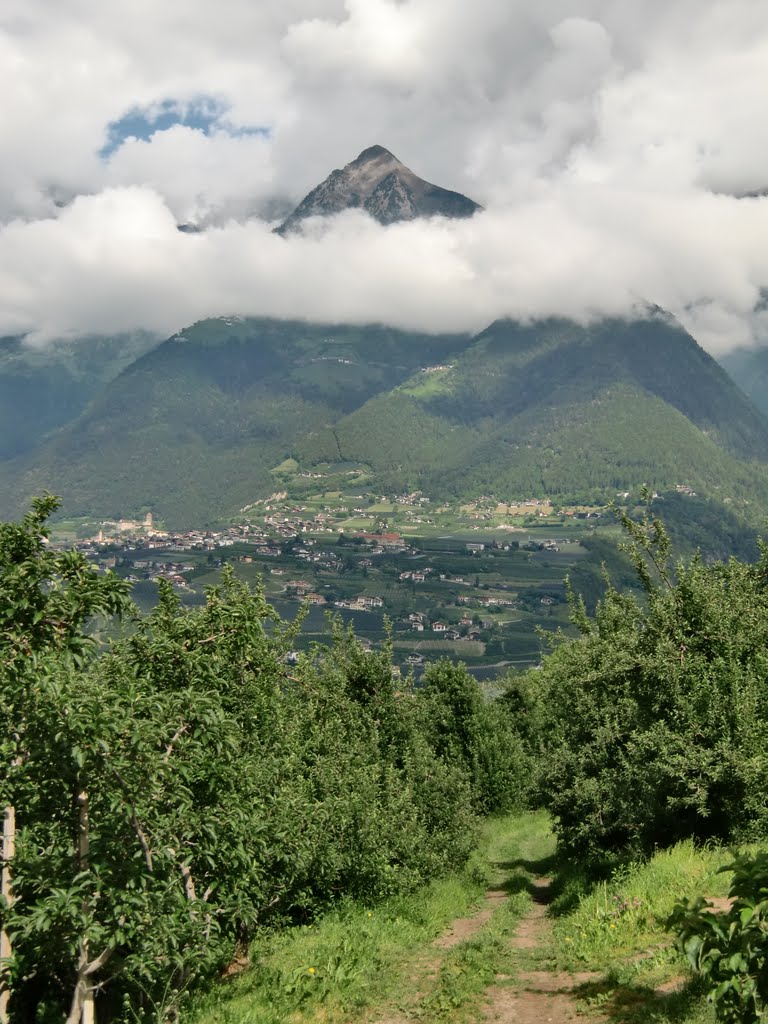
<point x="671" y="985"/>
<point x="535" y="924"/>
<point x="465" y="927"/>
<point x="537" y="997"/>
<point x="520" y="1006"/>
<point x="720" y="904"/>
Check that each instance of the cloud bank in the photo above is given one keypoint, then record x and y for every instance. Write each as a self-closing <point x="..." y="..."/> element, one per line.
<point x="608" y="143"/>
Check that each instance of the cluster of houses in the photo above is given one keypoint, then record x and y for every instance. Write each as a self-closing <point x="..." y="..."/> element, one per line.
<point x="419" y="624"/>
<point x="416" y="576"/>
<point x="127" y="535"/>
<point x="304" y="591"/>
<point x="487" y="600"/>
<point x="540" y="545"/>
<point x="287" y="528"/>
<point x="151" y="570"/>
<point x="382" y="541"/>
<point x="415" y="498"/>
<point x="361" y="603"/>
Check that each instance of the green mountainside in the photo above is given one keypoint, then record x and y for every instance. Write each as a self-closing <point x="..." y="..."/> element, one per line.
<point x="749" y="368"/>
<point x="558" y="409"/>
<point x="192" y="429"/>
<point x="234" y="409"/>
<point x="42" y="388"/>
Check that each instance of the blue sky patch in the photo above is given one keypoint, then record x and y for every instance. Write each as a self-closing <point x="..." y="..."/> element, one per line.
<point x="204" y="113"/>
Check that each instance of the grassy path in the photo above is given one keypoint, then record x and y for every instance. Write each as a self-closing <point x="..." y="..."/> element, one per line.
<point x="481" y="946"/>
<point x="473" y="959"/>
<point x="535" y="994"/>
<point x="497" y="969"/>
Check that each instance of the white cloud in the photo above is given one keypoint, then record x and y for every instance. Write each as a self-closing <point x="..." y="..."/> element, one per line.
<point x="592" y="130"/>
<point x="115" y="261"/>
<point x="380" y="40"/>
<point x="197" y="173"/>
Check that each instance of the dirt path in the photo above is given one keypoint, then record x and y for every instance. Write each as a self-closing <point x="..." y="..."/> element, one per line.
<point x="531" y="996"/>
<point x="536" y="996"/>
<point x="427" y="967"/>
<point x="465" y="927"/>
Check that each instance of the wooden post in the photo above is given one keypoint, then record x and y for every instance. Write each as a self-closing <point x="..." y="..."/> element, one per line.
<point x="8" y="851"/>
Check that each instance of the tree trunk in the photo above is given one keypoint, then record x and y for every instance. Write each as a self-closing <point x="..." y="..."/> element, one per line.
<point x="8" y="851"/>
<point x="83" y="1008"/>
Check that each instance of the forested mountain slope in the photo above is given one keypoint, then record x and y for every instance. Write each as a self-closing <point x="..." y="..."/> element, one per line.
<point x="44" y="387"/>
<point x="556" y="408"/>
<point x="193" y="429"/>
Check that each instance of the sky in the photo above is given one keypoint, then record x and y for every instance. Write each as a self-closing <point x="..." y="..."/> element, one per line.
<point x="614" y="147"/>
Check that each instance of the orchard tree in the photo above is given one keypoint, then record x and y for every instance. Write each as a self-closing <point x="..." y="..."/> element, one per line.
<point x="47" y="599"/>
<point x="482" y="737"/>
<point x="189" y="786"/>
<point x="655" y="718"/>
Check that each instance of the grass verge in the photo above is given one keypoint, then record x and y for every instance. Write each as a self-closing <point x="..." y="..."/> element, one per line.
<point x="617" y="930"/>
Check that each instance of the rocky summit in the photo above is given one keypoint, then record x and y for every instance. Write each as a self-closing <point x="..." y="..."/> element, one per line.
<point x="382" y="186"/>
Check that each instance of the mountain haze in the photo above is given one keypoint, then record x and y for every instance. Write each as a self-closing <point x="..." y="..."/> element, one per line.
<point x="749" y="369"/>
<point x="44" y="387"/>
<point x="380" y="184"/>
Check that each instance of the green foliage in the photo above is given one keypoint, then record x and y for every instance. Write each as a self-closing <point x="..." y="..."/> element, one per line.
<point x="189" y="787"/>
<point x="483" y="738"/>
<point x="729" y="950"/>
<point x="655" y="718"/>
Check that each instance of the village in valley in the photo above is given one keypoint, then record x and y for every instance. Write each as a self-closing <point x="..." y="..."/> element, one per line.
<point x="477" y="581"/>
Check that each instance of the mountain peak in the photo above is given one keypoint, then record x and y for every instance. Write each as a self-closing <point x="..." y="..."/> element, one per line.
<point x="373" y="153"/>
<point x="377" y="182"/>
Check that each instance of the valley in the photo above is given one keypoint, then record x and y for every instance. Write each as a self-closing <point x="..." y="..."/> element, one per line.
<point x="447" y="484"/>
<point x="321" y="632"/>
<point x="480" y="582"/>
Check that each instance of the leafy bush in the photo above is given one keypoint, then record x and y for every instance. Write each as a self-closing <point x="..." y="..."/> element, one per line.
<point x="481" y="738"/>
<point x="655" y="718"/>
<point x="730" y="950"/>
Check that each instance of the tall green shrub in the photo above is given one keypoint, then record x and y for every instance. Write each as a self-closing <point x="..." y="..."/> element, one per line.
<point x="482" y="738"/>
<point x="655" y="718"/>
